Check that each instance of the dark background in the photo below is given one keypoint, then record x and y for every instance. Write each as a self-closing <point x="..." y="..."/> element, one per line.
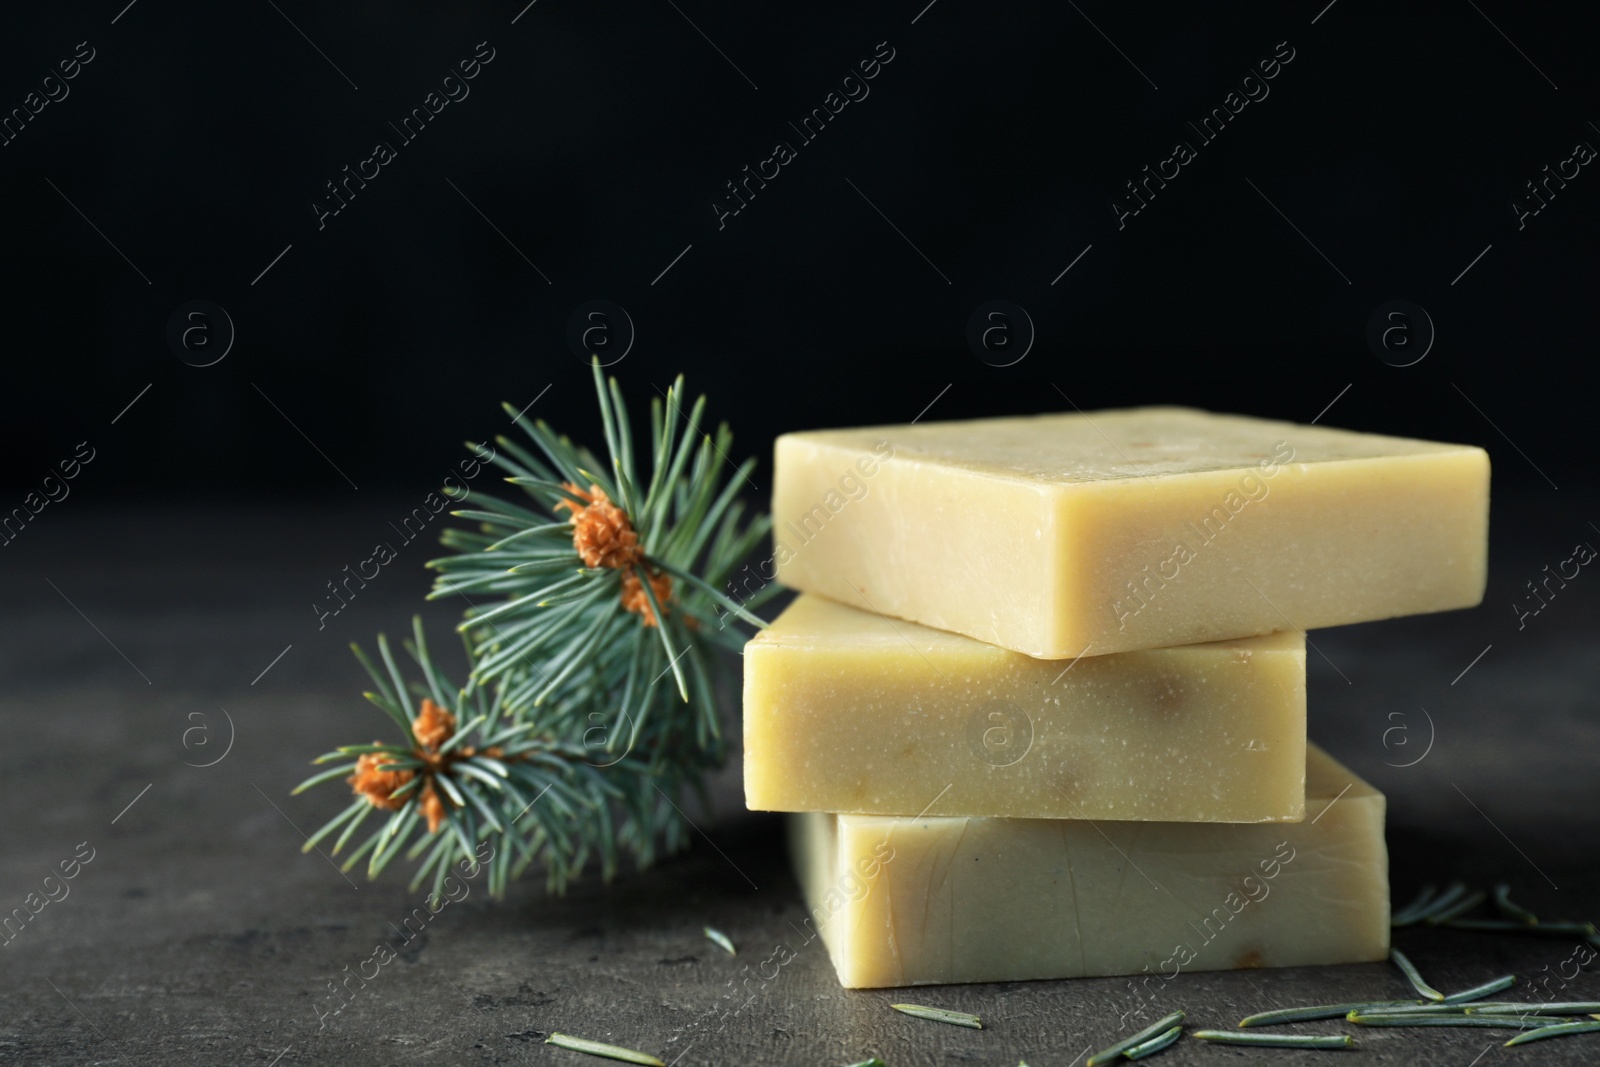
<point x="995" y="142"/>
<point x="583" y="166"/>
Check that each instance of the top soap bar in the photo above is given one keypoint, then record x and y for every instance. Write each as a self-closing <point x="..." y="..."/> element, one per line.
<point x="1114" y="531"/>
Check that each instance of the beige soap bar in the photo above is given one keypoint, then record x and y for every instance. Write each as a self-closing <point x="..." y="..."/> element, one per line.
<point x="846" y="711"/>
<point x="1060" y="535"/>
<point x="918" y="901"/>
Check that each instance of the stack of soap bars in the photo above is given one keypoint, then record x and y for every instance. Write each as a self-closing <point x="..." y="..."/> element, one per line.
<point x="1040" y="708"/>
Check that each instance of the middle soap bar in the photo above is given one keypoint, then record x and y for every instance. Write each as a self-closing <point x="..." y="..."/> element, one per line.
<point x="846" y="711"/>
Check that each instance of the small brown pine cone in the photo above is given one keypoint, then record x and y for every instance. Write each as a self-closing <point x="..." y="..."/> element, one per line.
<point x="376" y="785"/>
<point x="432" y="806"/>
<point x="633" y="597"/>
<point x="433" y="725"/>
<point x="601" y="531"/>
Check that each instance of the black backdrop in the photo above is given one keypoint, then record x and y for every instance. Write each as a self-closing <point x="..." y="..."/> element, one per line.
<point x="1380" y="162"/>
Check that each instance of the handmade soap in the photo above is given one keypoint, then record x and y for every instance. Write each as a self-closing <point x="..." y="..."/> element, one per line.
<point x="918" y="901"/>
<point x="1060" y="535"/>
<point x="846" y="711"/>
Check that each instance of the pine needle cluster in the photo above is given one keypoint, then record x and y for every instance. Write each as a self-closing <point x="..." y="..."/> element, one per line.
<point x="593" y="633"/>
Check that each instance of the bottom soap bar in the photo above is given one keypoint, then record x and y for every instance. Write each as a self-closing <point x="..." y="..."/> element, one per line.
<point x="919" y="901"/>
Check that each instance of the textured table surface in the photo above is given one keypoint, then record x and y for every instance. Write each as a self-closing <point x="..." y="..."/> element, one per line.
<point x="199" y="933"/>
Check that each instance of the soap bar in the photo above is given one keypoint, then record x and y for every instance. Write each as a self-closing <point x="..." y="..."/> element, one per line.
<point x="917" y="901"/>
<point x="1063" y="535"/>
<point x="846" y="711"/>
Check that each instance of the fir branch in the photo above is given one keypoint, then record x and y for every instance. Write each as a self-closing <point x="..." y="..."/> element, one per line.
<point x="469" y="772"/>
<point x="564" y="590"/>
<point x="684" y="523"/>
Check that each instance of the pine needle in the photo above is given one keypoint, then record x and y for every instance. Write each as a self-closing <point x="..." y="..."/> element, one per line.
<point x="1505" y="1022"/>
<point x="1467" y="903"/>
<point x="1478" y="992"/>
<point x="940" y="1015"/>
<point x="600" y="1048"/>
<point x="1558" y="1030"/>
<point x="1322" y="1011"/>
<point x="1414" y="910"/>
<point x="1234" y="1037"/>
<point x="1413" y="976"/>
<point x="1106" y="1055"/>
<point x="1508" y="926"/>
<point x="1453" y="892"/>
<point x="1559" y="1007"/>
<point x="1154" y="1045"/>
<point x="1504" y="905"/>
<point x="721" y="940"/>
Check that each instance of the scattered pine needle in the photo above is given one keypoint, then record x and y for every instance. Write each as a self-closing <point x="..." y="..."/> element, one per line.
<point x="1235" y="1037"/>
<point x="1106" y="1055"/>
<point x="1409" y="969"/>
<point x="600" y="1048"/>
<point x="721" y="940"/>
<point x="940" y="1015"/>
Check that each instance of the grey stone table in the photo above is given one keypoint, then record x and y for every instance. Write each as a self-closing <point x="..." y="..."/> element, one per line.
<point x="199" y="933"/>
